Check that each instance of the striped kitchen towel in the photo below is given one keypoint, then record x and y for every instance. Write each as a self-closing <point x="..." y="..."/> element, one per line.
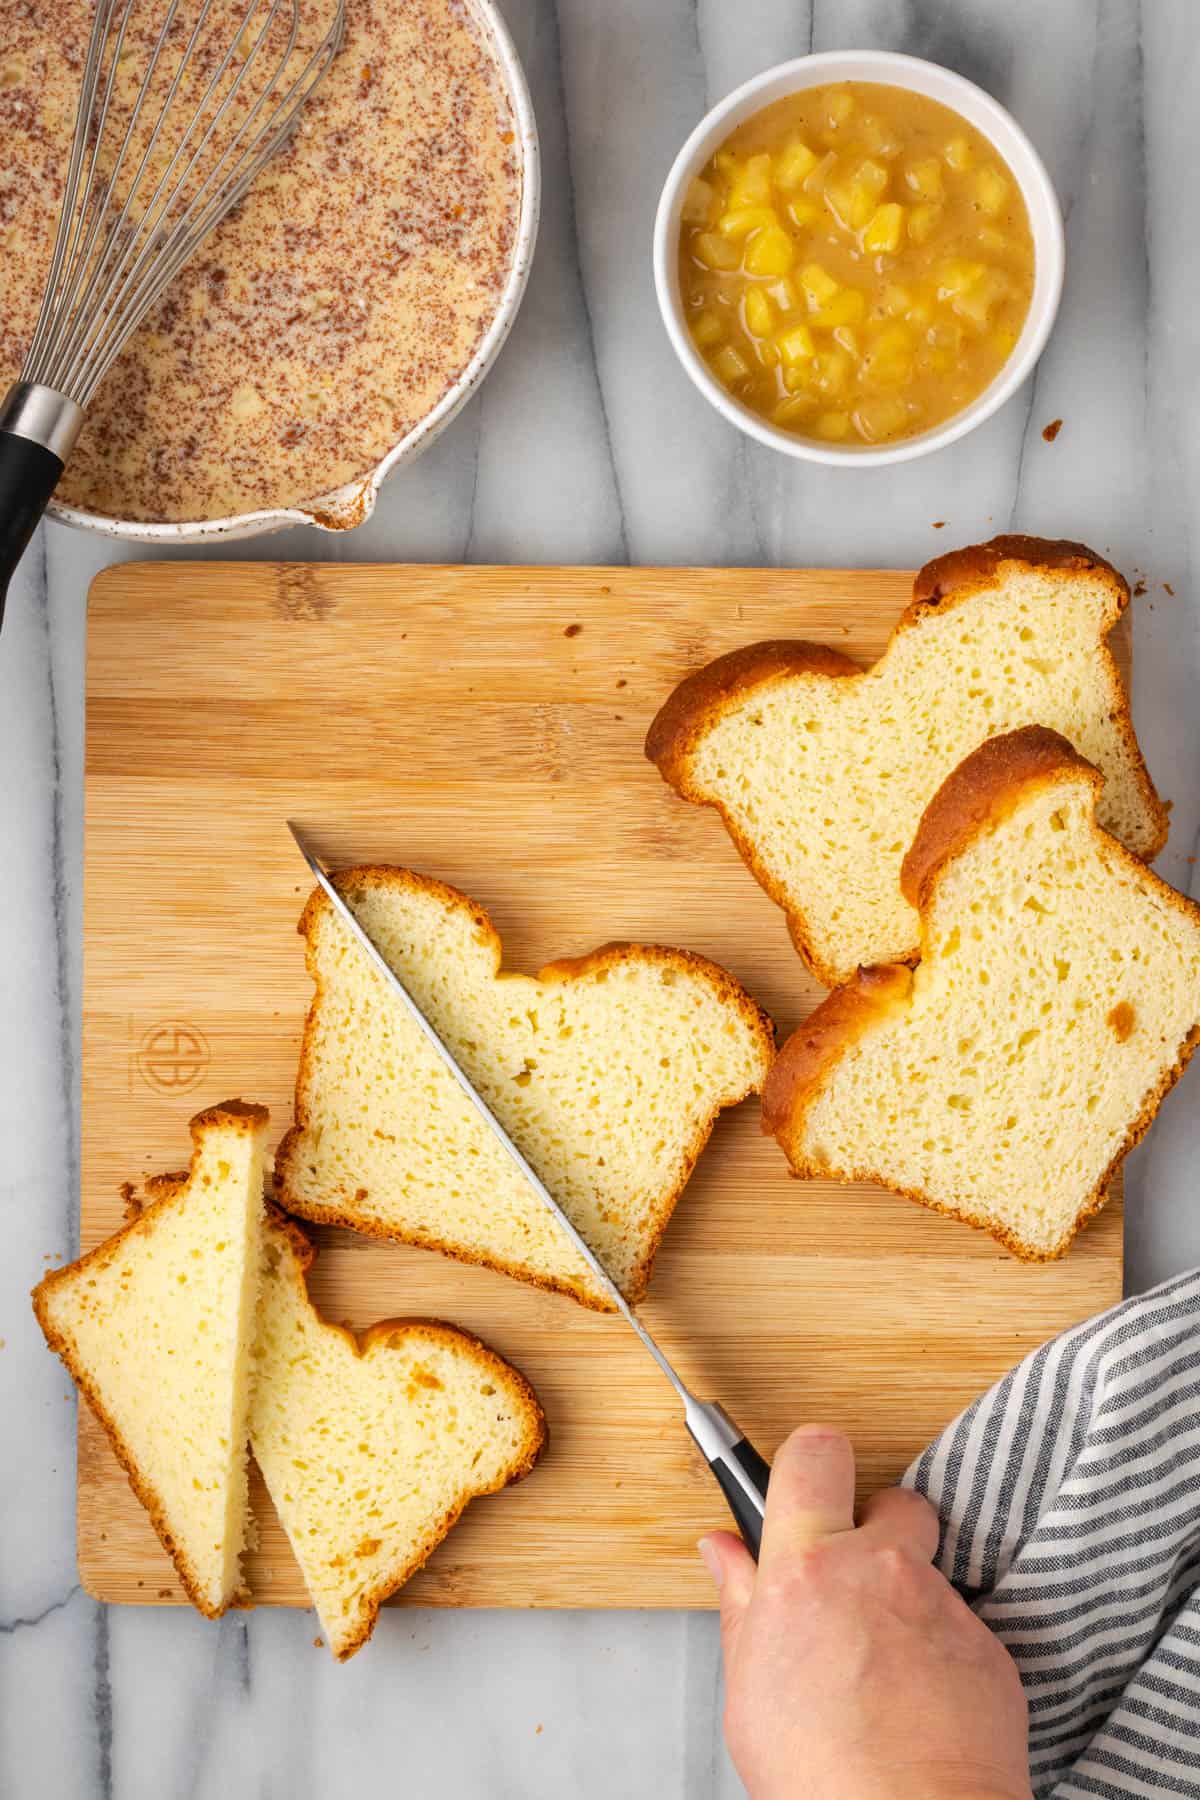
<point x="1070" y="1505"/>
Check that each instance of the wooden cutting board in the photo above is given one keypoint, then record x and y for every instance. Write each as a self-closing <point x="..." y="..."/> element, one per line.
<point x="486" y="725"/>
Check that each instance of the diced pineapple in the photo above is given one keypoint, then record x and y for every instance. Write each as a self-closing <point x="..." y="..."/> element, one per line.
<point x="796" y="345"/>
<point x="794" y="163"/>
<point x="885" y="229"/>
<point x="783" y="293"/>
<point x="992" y="240"/>
<point x="889" y="360"/>
<point x="847" y="307"/>
<point x="958" y="154"/>
<point x="832" y="370"/>
<point x="770" y="252"/>
<point x="885" y="417"/>
<point x="802" y="213"/>
<point x="715" y="252"/>
<point x="814" y="181"/>
<point x="707" y="330"/>
<point x="758" y="312"/>
<point x="818" y="284"/>
<point x="991" y="191"/>
<point x="833" y="425"/>
<point x="727" y="164"/>
<point x="839" y="104"/>
<point x="945" y="334"/>
<point x="976" y="304"/>
<point x="854" y="199"/>
<point x="923" y="221"/>
<point x="896" y="300"/>
<point x="797" y="377"/>
<point x="699" y="202"/>
<point x="792" y="410"/>
<point x="751" y="186"/>
<point x="958" y="275"/>
<point x="767" y="352"/>
<point x="847" y="339"/>
<point x="877" y="137"/>
<point x="924" y="177"/>
<point x="924" y="305"/>
<point x="740" y="221"/>
<point x="730" y="366"/>
<point x="1003" y="341"/>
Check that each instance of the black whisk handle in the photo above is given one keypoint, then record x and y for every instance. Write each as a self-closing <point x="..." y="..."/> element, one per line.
<point x="38" y="428"/>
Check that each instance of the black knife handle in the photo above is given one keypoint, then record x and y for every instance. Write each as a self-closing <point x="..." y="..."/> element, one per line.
<point x="28" y="476"/>
<point x="741" y="1473"/>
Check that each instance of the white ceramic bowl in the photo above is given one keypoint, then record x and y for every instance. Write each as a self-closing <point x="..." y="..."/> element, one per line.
<point x="895" y="70"/>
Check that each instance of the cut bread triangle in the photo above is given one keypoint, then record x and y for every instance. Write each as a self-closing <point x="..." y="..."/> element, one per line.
<point x="821" y="769"/>
<point x="371" y="1446"/>
<point x="155" y="1327"/>
<point x="1056" y="1000"/>
<point x="608" y="1072"/>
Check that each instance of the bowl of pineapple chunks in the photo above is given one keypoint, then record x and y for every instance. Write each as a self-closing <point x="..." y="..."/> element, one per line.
<point x="858" y="257"/>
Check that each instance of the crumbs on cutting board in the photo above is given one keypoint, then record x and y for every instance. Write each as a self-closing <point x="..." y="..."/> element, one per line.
<point x="1051" y="431"/>
<point x="572" y="630"/>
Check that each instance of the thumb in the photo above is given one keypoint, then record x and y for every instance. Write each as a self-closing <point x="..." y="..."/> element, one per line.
<point x="732" y="1568"/>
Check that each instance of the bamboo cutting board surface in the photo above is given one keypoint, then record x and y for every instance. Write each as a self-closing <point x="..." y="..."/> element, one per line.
<point x="485" y="725"/>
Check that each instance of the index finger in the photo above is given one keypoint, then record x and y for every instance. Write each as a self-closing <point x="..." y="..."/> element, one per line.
<point x="811" y="1494"/>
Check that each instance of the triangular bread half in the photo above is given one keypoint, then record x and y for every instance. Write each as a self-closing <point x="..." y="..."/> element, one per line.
<point x="372" y="1446"/>
<point x="1056" y="1000"/>
<point x="608" y="1072"/>
<point x="821" y="769"/>
<point x="155" y="1326"/>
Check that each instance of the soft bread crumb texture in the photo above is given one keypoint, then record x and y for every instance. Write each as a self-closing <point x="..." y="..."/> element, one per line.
<point x="372" y="1447"/>
<point x="822" y="780"/>
<point x="608" y="1074"/>
<point x="1057" y="998"/>
<point x="155" y="1326"/>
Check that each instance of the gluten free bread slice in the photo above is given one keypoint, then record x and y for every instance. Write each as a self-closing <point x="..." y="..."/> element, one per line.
<point x="1056" y="1000"/>
<point x="821" y="769"/>
<point x="608" y="1072"/>
<point x="372" y="1446"/>
<point x="155" y="1327"/>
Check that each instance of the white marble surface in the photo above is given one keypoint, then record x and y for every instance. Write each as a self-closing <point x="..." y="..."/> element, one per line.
<point x="587" y="444"/>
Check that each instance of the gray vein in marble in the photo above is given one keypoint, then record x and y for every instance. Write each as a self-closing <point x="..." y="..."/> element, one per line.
<point x="9" y="1626"/>
<point x="102" y="1703"/>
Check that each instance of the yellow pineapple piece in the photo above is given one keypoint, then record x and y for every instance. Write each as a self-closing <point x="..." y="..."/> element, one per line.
<point x="896" y="299"/>
<point x="1003" y="341"/>
<point x="751" y="186"/>
<point x="798" y="377"/>
<point x="923" y="221"/>
<point x="854" y="199"/>
<point x="958" y="154"/>
<point x="818" y="284"/>
<point x="889" y="360"/>
<point x="740" y="221"/>
<point x="707" y="330"/>
<point x="758" y="312"/>
<point x="945" y="334"/>
<point x="794" y="163"/>
<point x="715" y="252"/>
<point x="839" y="104"/>
<point x="727" y="164"/>
<point x="783" y="293"/>
<point x="767" y="352"/>
<point x="885" y="230"/>
<point x="814" y="181"/>
<point x="847" y="307"/>
<point x="991" y="191"/>
<point x="794" y="409"/>
<point x="699" y="202"/>
<point x="803" y="213"/>
<point x="847" y="339"/>
<point x="833" y="425"/>
<point x="975" y="305"/>
<point x="881" y="418"/>
<point x="992" y="240"/>
<point x="796" y="345"/>
<point x="958" y="275"/>
<point x="877" y="137"/>
<point x="924" y="177"/>
<point x="770" y="252"/>
<point x="832" y="370"/>
<point x="730" y="366"/>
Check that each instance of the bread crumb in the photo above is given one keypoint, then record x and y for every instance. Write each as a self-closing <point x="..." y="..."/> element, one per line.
<point x="939" y="525"/>
<point x="572" y="630"/>
<point x="537" y="1730"/>
<point x="1139" y="589"/>
<point x="1167" y="588"/>
<point x="164" y="1593"/>
<point x="318" y="1643"/>
<point x="624" y="683"/>
<point x="1051" y="431"/>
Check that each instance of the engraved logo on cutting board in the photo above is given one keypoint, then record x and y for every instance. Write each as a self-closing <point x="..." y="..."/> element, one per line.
<point x="173" y="1057"/>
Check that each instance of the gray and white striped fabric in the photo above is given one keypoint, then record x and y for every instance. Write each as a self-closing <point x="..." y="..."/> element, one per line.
<point x="1070" y="1505"/>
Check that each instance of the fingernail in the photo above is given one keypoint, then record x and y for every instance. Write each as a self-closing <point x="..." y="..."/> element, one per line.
<point x="711" y="1560"/>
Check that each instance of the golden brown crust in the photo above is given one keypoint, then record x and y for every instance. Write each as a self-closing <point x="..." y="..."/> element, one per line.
<point x="384" y="1332"/>
<point x="702" y="697"/>
<point x="982" y="790"/>
<point x="340" y="1211"/>
<point x="164" y="1191"/>
<point x="1003" y="769"/>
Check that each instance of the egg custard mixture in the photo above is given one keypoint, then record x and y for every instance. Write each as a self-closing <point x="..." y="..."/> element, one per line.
<point x="856" y="263"/>
<point x="333" y="308"/>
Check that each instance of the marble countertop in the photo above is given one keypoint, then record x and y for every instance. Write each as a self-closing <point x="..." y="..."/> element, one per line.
<point x="587" y="444"/>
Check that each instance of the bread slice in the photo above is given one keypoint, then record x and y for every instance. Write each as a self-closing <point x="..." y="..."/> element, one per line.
<point x="607" y="1071"/>
<point x="1056" y="1000"/>
<point x="155" y="1327"/>
<point x="372" y="1446"/>
<point x="821" y="769"/>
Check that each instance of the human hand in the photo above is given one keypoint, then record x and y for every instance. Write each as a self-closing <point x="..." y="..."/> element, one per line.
<point x="853" y="1671"/>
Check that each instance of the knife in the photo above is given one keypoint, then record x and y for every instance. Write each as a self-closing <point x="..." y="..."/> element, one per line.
<point x="741" y="1473"/>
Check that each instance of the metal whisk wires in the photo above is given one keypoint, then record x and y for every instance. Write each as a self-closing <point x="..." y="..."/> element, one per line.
<point x="170" y="132"/>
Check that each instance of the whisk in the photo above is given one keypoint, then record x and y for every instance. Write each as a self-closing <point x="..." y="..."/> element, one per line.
<point x="176" y="116"/>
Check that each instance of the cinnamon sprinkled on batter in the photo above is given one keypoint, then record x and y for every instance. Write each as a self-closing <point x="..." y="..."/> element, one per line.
<point x="328" y="314"/>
